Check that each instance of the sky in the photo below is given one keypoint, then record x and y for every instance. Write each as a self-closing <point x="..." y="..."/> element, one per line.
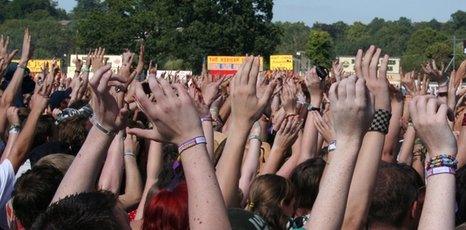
<point x="349" y="11"/>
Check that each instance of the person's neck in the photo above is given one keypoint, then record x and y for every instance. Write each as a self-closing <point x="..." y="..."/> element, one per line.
<point x="302" y="212"/>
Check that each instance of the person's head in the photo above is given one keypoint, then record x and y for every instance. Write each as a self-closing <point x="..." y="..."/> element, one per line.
<point x="44" y="130"/>
<point x="34" y="191"/>
<point x="58" y="160"/>
<point x="73" y="132"/>
<point x="271" y="196"/>
<point x="88" y="210"/>
<point x="167" y="209"/>
<point x="306" y="179"/>
<point x="397" y="198"/>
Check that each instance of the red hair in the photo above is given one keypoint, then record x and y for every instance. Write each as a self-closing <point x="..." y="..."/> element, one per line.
<point x="167" y="210"/>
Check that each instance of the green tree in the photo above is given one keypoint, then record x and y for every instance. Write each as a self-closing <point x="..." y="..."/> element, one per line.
<point x="320" y="48"/>
<point x="187" y="30"/>
<point x="34" y="9"/>
<point x="293" y="37"/>
<point x="45" y="45"/>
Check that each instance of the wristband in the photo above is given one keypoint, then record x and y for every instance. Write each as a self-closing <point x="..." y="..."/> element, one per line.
<point x="129" y="154"/>
<point x="191" y="143"/>
<point x="312" y="108"/>
<point x="85" y="69"/>
<point x="256" y="137"/>
<point x="440" y="170"/>
<point x="14" y="129"/>
<point x="102" y="129"/>
<point x="332" y="146"/>
<point x="206" y="119"/>
<point x="442" y="160"/>
<point x="381" y="121"/>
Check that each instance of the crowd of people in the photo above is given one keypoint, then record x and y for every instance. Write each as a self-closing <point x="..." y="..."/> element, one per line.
<point x="124" y="149"/>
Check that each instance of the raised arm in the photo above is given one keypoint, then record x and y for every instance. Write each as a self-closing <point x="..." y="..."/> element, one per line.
<point x="176" y="120"/>
<point x="133" y="182"/>
<point x="112" y="171"/>
<point x="246" y="108"/>
<point x="286" y="135"/>
<point x="15" y="83"/>
<point x="367" y="164"/>
<point x="39" y="102"/>
<point x="310" y="133"/>
<point x="352" y="112"/>
<point x="108" y="119"/>
<point x="430" y="121"/>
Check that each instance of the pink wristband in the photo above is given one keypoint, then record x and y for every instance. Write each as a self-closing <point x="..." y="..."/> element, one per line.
<point x="439" y="170"/>
<point x="191" y="143"/>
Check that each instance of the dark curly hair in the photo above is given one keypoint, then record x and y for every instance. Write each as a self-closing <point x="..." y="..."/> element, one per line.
<point x="90" y="210"/>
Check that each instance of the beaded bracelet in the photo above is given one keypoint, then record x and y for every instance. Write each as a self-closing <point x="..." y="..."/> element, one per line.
<point x="381" y="121"/>
<point x="442" y="160"/>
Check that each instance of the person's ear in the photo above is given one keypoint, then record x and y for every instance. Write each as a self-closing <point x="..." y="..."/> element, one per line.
<point x="415" y="210"/>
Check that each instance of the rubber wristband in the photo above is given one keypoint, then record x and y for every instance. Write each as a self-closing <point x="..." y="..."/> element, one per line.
<point x="206" y="119"/>
<point x="439" y="170"/>
<point x="191" y="143"/>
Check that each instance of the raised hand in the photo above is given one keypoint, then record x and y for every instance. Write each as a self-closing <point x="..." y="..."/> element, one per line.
<point x="78" y="63"/>
<point x="127" y="60"/>
<point x="314" y="86"/>
<point x="453" y="85"/>
<point x="210" y="88"/>
<point x="246" y="107"/>
<point x="131" y="144"/>
<point x="430" y="119"/>
<point x="107" y="103"/>
<point x="26" y="51"/>
<point x="140" y="65"/>
<point x="173" y="113"/>
<point x="288" y="132"/>
<point x="376" y="79"/>
<point x="337" y="70"/>
<point x="97" y="58"/>
<point x="5" y="57"/>
<point x="196" y="96"/>
<point x="436" y="74"/>
<point x="324" y="126"/>
<point x="41" y="96"/>
<point x="288" y="97"/>
<point x="351" y="108"/>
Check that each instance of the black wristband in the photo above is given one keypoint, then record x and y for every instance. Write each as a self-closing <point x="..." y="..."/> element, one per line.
<point x="381" y="121"/>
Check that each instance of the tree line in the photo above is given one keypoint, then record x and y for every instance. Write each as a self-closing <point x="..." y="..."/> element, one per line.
<point x="179" y="34"/>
